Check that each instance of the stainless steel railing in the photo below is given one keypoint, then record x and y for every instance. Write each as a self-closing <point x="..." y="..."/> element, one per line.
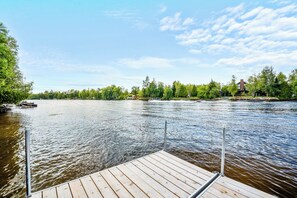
<point x="223" y="152"/>
<point x="28" y="170"/>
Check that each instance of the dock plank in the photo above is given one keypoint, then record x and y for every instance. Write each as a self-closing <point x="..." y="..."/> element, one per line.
<point x="143" y="185"/>
<point x="36" y="195"/>
<point x="90" y="187"/>
<point x="77" y="189"/>
<point x="172" y="172"/>
<point x="155" y="184"/>
<point x="209" y="195"/>
<point x="217" y="190"/>
<point x="127" y="183"/>
<point x="162" y="180"/>
<point x="49" y="193"/>
<point x="182" y="173"/>
<point x="63" y="191"/>
<point x="156" y="175"/>
<point x="188" y="164"/>
<point x="103" y="186"/>
<point x="176" y="180"/>
<point x="117" y="187"/>
<point x="241" y="188"/>
<point x="204" y="175"/>
<point x="231" y="191"/>
<point x="173" y="165"/>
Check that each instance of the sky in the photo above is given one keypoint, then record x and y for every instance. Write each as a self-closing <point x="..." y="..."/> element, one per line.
<point x="82" y="44"/>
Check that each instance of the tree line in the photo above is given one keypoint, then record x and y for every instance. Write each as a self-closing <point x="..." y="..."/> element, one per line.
<point x="266" y="83"/>
<point x="13" y="88"/>
<point x="108" y="93"/>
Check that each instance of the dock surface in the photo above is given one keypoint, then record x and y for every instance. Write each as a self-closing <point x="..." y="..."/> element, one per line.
<point x="156" y="175"/>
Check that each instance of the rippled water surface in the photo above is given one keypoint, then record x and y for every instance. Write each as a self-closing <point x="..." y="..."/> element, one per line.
<point x="73" y="138"/>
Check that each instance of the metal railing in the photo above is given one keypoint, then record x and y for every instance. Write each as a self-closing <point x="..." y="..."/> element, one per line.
<point x="165" y="136"/>
<point x="223" y="152"/>
<point x="28" y="169"/>
<point x="195" y="194"/>
<point x="199" y="192"/>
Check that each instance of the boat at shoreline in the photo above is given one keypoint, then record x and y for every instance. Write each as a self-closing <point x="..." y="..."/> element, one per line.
<point x="26" y="104"/>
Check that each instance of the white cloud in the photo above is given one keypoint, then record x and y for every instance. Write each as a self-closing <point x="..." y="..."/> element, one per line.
<point x="280" y="2"/>
<point x="188" y="21"/>
<point x="252" y="13"/>
<point x="175" y="23"/>
<point x="193" y="37"/>
<point x="235" y="10"/>
<point x="243" y="35"/>
<point x="259" y="60"/>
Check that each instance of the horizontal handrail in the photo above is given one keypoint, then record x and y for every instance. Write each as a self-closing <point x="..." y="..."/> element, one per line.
<point x="205" y="186"/>
<point x="28" y="171"/>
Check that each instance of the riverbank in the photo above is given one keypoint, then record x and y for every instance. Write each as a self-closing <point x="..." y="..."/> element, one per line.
<point x="259" y="99"/>
<point x="4" y="108"/>
<point x="256" y="99"/>
<point x="237" y="98"/>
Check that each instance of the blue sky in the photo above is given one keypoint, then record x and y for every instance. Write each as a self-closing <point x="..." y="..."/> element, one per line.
<point x="88" y="44"/>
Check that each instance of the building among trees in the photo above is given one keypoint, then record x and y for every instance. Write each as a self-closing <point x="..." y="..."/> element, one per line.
<point x="241" y="87"/>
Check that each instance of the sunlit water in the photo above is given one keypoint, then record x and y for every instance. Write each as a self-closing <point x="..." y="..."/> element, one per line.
<point x="71" y="139"/>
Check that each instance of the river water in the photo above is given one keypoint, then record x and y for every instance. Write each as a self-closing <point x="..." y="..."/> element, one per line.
<point x="74" y="138"/>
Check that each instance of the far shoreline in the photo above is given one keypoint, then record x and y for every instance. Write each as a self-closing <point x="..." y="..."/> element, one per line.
<point x="233" y="99"/>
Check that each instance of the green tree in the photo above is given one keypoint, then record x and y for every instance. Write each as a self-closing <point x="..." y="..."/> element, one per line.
<point x="232" y="87"/>
<point x="124" y="95"/>
<point x="153" y="92"/>
<point x="168" y="93"/>
<point x="180" y="89"/>
<point x="141" y="93"/>
<point x="135" y="90"/>
<point x="282" y="87"/>
<point x="253" y="85"/>
<point x="145" y="87"/>
<point x="224" y="91"/>
<point x="160" y="89"/>
<point x="194" y="91"/>
<point x="267" y="80"/>
<point x="189" y="88"/>
<point x="183" y="91"/>
<point x="209" y="91"/>
<point x="176" y="87"/>
<point x="13" y="88"/>
<point x="293" y="83"/>
<point x="173" y="88"/>
<point x="202" y="91"/>
<point x="213" y="90"/>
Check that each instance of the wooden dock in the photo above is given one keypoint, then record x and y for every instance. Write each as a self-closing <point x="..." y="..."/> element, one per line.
<point x="156" y="175"/>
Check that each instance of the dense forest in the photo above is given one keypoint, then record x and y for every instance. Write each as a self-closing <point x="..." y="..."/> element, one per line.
<point x="12" y="86"/>
<point x="266" y="83"/>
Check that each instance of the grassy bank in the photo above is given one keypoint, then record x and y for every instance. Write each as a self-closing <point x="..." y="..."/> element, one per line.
<point x="236" y="98"/>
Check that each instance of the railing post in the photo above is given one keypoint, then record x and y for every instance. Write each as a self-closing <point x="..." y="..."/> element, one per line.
<point x="165" y="136"/>
<point x="223" y="152"/>
<point x="27" y="155"/>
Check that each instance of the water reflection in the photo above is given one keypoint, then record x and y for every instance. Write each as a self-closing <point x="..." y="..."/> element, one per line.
<point x="11" y="158"/>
